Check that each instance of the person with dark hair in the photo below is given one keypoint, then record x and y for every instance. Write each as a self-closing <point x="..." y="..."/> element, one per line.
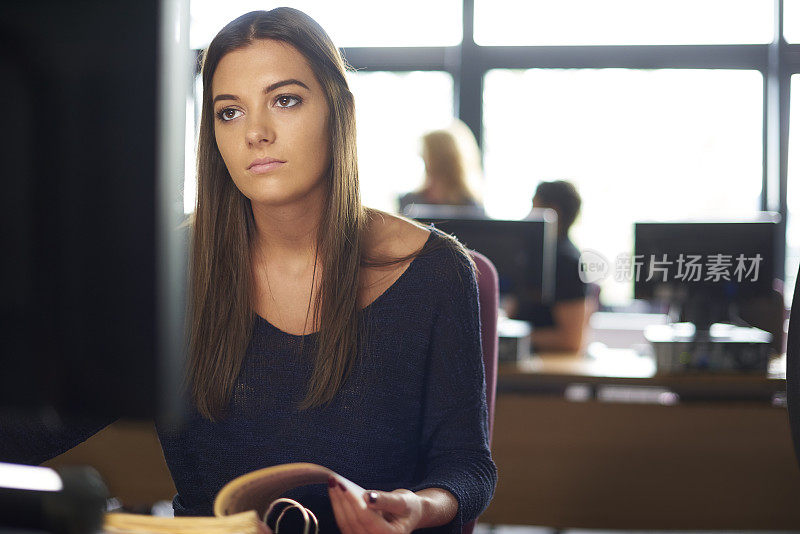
<point x="560" y="326"/>
<point x="319" y="330"/>
<point x="561" y="196"/>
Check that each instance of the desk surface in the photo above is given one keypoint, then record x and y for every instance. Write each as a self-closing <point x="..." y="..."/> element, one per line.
<point x="551" y="372"/>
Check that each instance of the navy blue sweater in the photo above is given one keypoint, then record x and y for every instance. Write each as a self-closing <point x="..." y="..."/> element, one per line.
<point x="412" y="414"/>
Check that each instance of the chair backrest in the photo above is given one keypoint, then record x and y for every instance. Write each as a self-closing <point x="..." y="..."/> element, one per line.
<point x="488" y="298"/>
<point x="593" y="296"/>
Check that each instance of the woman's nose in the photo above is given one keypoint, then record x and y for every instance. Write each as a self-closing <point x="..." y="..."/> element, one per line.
<point x="260" y="130"/>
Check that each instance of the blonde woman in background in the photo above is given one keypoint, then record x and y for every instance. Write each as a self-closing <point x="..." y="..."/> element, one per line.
<point x="452" y="169"/>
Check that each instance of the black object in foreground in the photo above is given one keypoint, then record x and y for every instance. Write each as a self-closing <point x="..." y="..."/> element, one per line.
<point x="69" y="500"/>
<point x="793" y="370"/>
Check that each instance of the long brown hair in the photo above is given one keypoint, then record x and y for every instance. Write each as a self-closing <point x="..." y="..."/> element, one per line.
<point x="220" y="312"/>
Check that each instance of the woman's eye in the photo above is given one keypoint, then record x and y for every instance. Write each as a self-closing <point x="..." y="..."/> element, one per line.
<point x="284" y="101"/>
<point x="225" y="114"/>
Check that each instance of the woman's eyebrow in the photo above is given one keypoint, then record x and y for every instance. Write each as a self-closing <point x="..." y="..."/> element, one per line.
<point x="268" y="89"/>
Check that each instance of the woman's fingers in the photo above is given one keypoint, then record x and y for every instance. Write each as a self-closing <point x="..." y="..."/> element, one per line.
<point x="356" y="518"/>
<point x="393" y="503"/>
<point x="369" y="520"/>
<point x="343" y="510"/>
<point x="342" y="516"/>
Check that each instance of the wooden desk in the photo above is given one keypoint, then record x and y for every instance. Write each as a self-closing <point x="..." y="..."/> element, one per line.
<point x="551" y="373"/>
<point x="721" y="458"/>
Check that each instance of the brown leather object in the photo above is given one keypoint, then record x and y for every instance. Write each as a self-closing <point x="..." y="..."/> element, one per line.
<point x="257" y="489"/>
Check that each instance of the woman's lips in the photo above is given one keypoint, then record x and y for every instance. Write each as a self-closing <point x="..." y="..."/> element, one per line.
<point x="262" y="168"/>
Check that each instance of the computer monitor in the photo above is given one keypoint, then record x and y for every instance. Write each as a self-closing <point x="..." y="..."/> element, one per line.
<point x="700" y="268"/>
<point x="523" y="251"/>
<point x="94" y="262"/>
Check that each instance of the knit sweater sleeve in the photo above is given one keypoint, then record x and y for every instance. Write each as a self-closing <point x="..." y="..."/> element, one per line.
<point x="31" y="438"/>
<point x="455" y="420"/>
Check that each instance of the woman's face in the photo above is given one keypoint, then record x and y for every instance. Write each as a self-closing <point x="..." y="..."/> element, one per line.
<point x="268" y="105"/>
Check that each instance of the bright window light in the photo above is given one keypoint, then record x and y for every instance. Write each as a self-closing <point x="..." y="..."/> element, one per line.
<point x="791" y="21"/>
<point x="638" y="144"/>
<point x="348" y="22"/>
<point x="393" y="110"/>
<point x="622" y="22"/>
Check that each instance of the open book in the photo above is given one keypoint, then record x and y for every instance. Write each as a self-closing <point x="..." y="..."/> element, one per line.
<point x="240" y="506"/>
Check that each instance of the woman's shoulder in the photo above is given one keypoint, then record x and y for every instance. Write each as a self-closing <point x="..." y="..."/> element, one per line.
<point x="393" y="236"/>
<point x="438" y="268"/>
<point x="389" y="243"/>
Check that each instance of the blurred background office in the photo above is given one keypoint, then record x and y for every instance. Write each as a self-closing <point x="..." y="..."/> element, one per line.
<point x="656" y="110"/>
<point x="659" y="110"/>
<point x="665" y="110"/>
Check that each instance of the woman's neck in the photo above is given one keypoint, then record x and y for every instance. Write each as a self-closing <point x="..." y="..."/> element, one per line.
<point x="287" y="234"/>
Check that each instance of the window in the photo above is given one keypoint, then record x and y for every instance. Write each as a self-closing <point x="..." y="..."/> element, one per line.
<point x="348" y="22"/>
<point x="622" y="22"/>
<point x="619" y="133"/>
<point x="791" y="21"/>
<point x="393" y="110"/>
<point x="638" y="144"/>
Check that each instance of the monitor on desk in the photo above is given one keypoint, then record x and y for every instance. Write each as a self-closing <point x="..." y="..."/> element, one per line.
<point x="703" y="269"/>
<point x="523" y="251"/>
<point x="93" y="269"/>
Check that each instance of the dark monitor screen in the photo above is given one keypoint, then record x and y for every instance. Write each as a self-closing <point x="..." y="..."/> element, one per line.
<point x="93" y="269"/>
<point x="523" y="252"/>
<point x="715" y="260"/>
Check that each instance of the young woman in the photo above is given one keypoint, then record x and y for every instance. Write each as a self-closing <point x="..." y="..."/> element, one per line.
<point x="320" y="331"/>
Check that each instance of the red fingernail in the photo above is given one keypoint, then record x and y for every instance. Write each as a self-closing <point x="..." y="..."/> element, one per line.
<point x="331" y="482"/>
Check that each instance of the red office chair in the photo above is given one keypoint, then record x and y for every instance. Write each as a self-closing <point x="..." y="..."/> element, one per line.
<point x="488" y="299"/>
